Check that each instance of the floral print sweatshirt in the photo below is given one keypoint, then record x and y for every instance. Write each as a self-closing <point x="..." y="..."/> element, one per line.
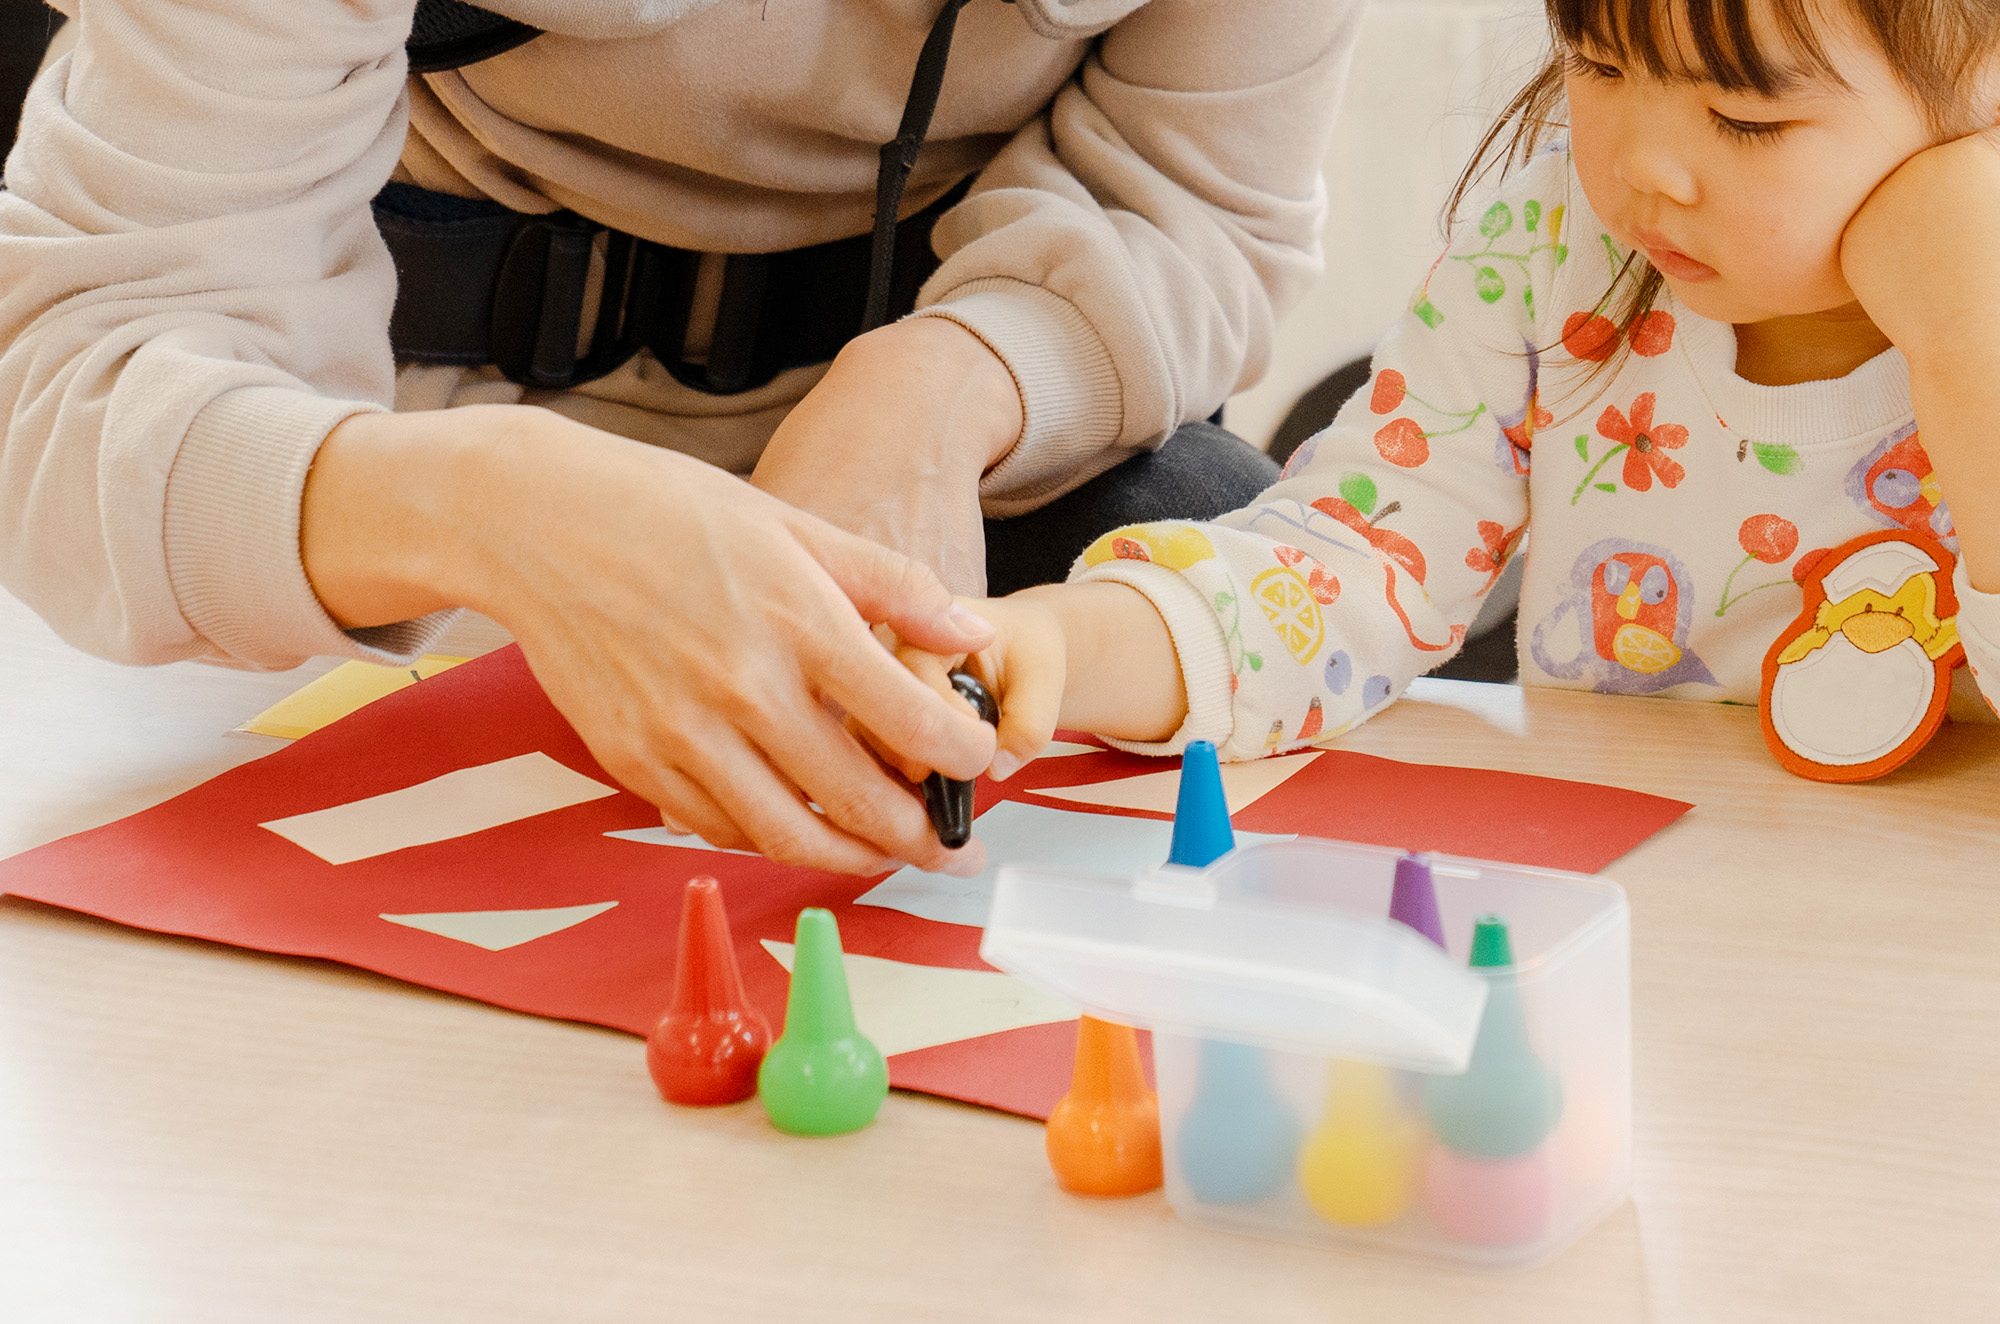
<point x="1674" y="506"/>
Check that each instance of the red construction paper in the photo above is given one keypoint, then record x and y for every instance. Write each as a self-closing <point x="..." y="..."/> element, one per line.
<point x="198" y="865"/>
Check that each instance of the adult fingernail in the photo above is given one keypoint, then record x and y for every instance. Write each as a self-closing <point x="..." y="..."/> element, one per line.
<point x="968" y="620"/>
<point x="1005" y="765"/>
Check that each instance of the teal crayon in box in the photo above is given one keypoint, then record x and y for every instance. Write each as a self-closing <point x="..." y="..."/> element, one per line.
<point x="1278" y="967"/>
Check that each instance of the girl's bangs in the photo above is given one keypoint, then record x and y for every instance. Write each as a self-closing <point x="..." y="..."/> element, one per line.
<point x="1710" y="41"/>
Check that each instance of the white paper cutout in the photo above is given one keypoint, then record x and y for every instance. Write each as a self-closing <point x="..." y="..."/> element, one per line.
<point x="454" y="805"/>
<point x="660" y="836"/>
<point x="1018" y="833"/>
<point x="1243" y="784"/>
<point x="903" y="1007"/>
<point x="1062" y="749"/>
<point x="497" y="930"/>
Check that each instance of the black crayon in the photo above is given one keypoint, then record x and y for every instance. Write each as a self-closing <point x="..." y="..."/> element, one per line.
<point x="950" y="802"/>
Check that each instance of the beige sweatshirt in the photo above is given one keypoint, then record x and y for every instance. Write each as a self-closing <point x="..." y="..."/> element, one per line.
<point x="193" y="293"/>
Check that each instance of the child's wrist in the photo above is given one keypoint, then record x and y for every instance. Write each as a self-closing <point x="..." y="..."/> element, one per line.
<point x="1124" y="675"/>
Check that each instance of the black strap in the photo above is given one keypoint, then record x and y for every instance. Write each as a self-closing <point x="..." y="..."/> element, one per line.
<point x="484" y="285"/>
<point x="448" y="34"/>
<point x="477" y="284"/>
<point x="899" y="156"/>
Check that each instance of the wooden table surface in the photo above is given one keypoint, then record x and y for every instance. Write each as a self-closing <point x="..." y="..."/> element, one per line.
<point x="192" y="1132"/>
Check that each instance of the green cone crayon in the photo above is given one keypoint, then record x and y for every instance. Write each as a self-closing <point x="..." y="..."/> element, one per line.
<point x="1508" y="1100"/>
<point x="823" y="1077"/>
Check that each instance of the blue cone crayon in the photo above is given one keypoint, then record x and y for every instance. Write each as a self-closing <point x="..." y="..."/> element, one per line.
<point x="1202" y="834"/>
<point x="1238" y="1142"/>
<point x="1508" y="1100"/>
<point x="1414" y="900"/>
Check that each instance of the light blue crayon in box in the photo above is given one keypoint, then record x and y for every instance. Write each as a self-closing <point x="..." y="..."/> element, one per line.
<point x="1238" y="1142"/>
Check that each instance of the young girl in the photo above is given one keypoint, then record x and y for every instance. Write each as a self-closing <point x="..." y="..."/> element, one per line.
<point x="1683" y="342"/>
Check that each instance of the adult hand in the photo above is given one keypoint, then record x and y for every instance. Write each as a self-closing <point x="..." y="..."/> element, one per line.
<point x="1923" y="257"/>
<point x="892" y="442"/>
<point x="702" y="637"/>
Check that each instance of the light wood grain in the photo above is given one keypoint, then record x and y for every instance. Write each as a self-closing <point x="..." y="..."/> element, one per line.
<point x="190" y="1132"/>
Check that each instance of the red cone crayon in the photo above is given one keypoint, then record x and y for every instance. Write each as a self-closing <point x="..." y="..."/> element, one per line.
<point x="707" y="1047"/>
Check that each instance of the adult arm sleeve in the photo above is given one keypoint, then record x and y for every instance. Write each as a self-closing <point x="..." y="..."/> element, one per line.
<point x="192" y="295"/>
<point x="1128" y="254"/>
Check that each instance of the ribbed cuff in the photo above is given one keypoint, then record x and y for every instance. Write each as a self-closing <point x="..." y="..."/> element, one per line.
<point x="1198" y="643"/>
<point x="1072" y="404"/>
<point x="232" y="535"/>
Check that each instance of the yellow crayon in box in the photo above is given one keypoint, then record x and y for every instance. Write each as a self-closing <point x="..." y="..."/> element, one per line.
<point x="1359" y="1168"/>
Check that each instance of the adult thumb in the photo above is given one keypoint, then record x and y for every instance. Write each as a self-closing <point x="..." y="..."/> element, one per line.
<point x="889" y="588"/>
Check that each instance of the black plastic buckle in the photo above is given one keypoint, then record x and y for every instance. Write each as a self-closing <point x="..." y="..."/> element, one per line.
<point x="538" y="299"/>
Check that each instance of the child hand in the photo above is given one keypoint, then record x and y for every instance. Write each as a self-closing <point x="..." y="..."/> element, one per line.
<point x="1024" y="668"/>
<point x="1920" y="255"/>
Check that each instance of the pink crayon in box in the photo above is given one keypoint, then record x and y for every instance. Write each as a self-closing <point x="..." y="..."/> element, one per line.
<point x="1470" y="1103"/>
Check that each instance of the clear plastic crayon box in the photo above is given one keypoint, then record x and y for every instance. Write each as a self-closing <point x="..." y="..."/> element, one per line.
<point x="1329" y="1074"/>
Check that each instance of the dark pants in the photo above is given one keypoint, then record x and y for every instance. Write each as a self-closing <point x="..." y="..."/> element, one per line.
<point x="25" y="28"/>
<point x="1203" y="471"/>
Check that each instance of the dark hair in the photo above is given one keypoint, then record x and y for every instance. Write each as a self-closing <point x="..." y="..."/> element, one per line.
<point x="1935" y="47"/>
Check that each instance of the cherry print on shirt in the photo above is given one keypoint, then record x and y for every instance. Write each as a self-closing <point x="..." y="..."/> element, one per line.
<point x="1403" y="441"/>
<point x="1653" y="334"/>
<point x="1770" y="539"/>
<point x="1594" y="337"/>
<point x="1590" y="337"/>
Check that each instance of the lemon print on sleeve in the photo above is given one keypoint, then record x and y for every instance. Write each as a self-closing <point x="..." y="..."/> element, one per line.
<point x="1288" y="604"/>
<point x="1175" y="547"/>
<point x="1645" y="651"/>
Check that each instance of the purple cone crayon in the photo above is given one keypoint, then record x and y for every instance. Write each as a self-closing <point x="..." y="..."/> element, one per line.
<point x="1414" y="900"/>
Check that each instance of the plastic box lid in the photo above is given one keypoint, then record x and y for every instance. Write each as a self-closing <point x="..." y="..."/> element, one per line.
<point x="1267" y="946"/>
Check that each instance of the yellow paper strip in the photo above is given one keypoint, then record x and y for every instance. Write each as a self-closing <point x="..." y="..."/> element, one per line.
<point x="349" y="686"/>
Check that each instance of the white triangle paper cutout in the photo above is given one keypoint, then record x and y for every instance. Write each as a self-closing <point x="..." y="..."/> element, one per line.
<point x="903" y="1007"/>
<point x="497" y="930"/>
<point x="1062" y="749"/>
<point x="1243" y="784"/>
<point x="664" y="836"/>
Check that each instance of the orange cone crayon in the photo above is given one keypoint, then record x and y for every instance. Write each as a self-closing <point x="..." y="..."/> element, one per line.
<point x="708" y="1045"/>
<point x="1104" y="1137"/>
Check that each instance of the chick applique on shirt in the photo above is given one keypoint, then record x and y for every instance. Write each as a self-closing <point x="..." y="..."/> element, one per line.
<point x="1858" y="683"/>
